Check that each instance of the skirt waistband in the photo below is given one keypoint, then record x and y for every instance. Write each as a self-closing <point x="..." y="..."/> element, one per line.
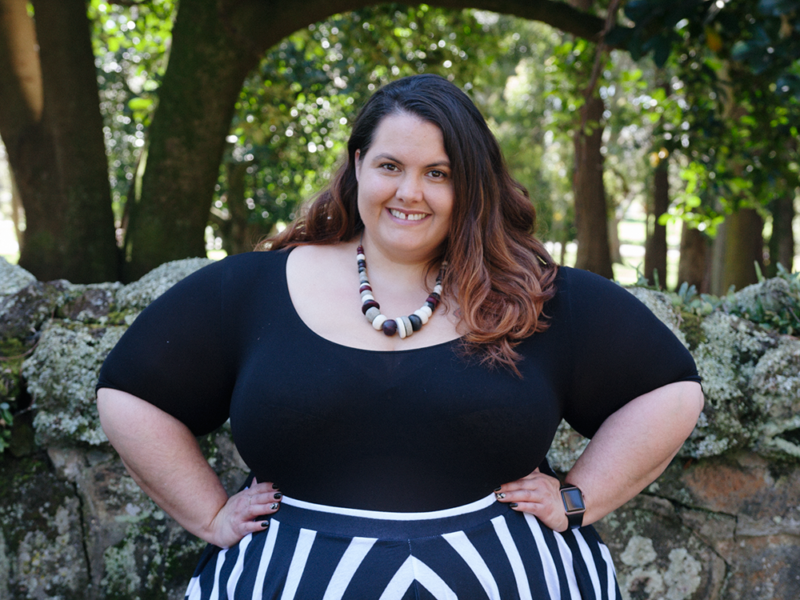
<point x="351" y="522"/>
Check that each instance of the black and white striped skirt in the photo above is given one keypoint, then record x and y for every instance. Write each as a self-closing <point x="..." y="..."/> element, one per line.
<point x="477" y="551"/>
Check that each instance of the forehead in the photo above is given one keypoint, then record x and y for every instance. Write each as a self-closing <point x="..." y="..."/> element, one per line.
<point x="409" y="134"/>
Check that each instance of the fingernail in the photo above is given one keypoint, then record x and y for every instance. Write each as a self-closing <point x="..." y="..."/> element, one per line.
<point x="275" y="487"/>
<point x="265" y="524"/>
<point x="501" y="495"/>
<point x="278" y="496"/>
<point x="513" y="505"/>
<point x="274" y="506"/>
<point x="497" y="490"/>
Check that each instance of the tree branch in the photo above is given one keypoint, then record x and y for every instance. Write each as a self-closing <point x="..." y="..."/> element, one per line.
<point x="260" y="24"/>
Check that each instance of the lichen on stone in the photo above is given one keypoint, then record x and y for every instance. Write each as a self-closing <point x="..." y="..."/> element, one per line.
<point x="141" y="293"/>
<point x="13" y="278"/>
<point x="62" y="374"/>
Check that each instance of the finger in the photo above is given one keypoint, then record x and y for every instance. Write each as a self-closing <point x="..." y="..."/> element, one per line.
<point x="554" y="520"/>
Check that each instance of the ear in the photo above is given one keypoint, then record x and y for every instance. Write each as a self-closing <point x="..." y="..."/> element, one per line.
<point x="358" y="164"/>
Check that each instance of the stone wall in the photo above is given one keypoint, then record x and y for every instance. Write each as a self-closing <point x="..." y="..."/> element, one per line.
<point x="722" y="523"/>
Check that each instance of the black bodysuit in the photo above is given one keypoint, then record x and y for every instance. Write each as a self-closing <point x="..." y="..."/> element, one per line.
<point x="409" y="430"/>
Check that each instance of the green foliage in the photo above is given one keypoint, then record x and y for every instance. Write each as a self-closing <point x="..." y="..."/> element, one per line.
<point x="734" y="69"/>
<point x="291" y="124"/>
<point x="131" y="43"/>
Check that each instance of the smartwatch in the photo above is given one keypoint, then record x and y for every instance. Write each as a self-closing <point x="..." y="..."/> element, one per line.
<point x="574" y="506"/>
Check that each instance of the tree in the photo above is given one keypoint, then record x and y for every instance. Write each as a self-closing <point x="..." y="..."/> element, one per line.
<point x="215" y="44"/>
<point x="52" y="128"/>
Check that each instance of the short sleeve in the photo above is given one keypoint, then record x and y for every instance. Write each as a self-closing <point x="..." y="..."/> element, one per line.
<point x="174" y="355"/>
<point x="620" y="350"/>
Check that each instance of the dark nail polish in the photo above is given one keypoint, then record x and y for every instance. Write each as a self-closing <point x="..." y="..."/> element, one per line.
<point x="275" y="487"/>
<point x="513" y="505"/>
<point x="265" y="524"/>
<point x="278" y="496"/>
<point x="497" y="490"/>
<point x="274" y="506"/>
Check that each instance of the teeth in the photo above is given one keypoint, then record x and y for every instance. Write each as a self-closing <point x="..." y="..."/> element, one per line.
<point x="405" y="217"/>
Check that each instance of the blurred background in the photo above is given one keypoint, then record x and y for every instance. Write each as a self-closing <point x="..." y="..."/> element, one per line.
<point x="659" y="141"/>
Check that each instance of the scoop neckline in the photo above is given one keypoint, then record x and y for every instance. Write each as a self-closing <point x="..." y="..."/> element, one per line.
<point x="304" y="325"/>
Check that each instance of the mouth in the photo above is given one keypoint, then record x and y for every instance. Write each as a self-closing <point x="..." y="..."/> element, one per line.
<point x="407" y="216"/>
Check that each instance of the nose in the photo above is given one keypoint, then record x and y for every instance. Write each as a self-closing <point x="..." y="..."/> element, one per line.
<point x="410" y="188"/>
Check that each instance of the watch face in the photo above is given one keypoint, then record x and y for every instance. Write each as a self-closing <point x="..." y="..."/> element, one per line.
<point x="573" y="501"/>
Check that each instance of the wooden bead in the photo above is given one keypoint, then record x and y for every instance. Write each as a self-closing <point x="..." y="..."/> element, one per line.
<point x="416" y="322"/>
<point x="423" y="316"/>
<point x="369" y="304"/>
<point x="427" y="310"/>
<point x="372" y="313"/>
<point x="390" y="327"/>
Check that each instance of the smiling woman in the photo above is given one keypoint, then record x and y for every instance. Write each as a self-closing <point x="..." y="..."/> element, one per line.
<point x="405" y="192"/>
<point x="413" y="465"/>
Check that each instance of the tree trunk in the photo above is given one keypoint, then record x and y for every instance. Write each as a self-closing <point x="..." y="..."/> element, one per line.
<point x="243" y="233"/>
<point x="53" y="132"/>
<point x="692" y="267"/>
<point x="187" y="138"/>
<point x="655" y="249"/>
<point x="591" y="214"/>
<point x="72" y="113"/>
<point x="781" y="242"/>
<point x="739" y="244"/>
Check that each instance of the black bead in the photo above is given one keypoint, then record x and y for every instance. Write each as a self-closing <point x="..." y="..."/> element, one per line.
<point x="430" y="305"/>
<point x="416" y="322"/>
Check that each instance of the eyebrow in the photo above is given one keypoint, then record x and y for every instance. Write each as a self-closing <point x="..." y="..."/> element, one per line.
<point x="442" y="163"/>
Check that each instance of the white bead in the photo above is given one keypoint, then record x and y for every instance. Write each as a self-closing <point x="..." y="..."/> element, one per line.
<point x="423" y="316"/>
<point x="372" y="313"/>
<point x="379" y="321"/>
<point x="401" y="327"/>
<point x="407" y="324"/>
<point x="366" y="294"/>
<point x="427" y="310"/>
<point x="437" y="289"/>
<point x="360" y="257"/>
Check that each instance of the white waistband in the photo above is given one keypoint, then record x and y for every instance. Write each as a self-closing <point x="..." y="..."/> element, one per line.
<point x="393" y="516"/>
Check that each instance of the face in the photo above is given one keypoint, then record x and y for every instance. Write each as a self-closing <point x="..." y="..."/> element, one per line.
<point x="405" y="190"/>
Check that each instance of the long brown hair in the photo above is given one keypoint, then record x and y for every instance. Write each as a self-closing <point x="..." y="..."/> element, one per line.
<point x="498" y="273"/>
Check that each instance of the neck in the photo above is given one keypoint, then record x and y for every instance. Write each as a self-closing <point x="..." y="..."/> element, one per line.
<point x="406" y="272"/>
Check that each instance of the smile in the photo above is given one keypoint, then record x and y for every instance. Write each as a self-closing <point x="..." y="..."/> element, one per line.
<point x="407" y="217"/>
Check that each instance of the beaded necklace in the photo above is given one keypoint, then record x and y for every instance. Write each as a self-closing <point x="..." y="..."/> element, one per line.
<point x="405" y="326"/>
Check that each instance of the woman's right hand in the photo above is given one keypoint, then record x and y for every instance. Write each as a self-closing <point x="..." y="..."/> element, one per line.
<point x="239" y="515"/>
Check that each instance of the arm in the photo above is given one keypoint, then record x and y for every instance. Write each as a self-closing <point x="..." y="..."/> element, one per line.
<point x="163" y="457"/>
<point x="629" y="451"/>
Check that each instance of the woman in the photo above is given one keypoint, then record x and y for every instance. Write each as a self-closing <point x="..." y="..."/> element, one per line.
<point x="413" y="462"/>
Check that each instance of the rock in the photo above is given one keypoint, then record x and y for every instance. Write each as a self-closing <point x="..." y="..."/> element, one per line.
<point x="657" y="556"/>
<point x="93" y="304"/>
<point x="24" y="312"/>
<point x="41" y="553"/>
<point x="137" y="295"/>
<point x="772" y="295"/>
<point x="13" y="278"/>
<point x="61" y="376"/>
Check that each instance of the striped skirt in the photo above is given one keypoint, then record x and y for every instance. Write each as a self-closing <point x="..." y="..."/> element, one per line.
<point x="480" y="550"/>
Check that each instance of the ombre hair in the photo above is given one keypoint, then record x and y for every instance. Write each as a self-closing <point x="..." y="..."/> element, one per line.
<point x="498" y="273"/>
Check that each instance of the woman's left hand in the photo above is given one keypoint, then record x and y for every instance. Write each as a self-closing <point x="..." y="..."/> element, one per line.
<point x="537" y="494"/>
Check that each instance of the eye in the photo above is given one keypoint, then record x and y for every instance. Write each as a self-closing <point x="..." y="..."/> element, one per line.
<point x="388" y="166"/>
<point x="437" y="174"/>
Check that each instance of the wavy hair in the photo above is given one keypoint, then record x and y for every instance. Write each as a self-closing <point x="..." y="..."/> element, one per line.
<point x="498" y="273"/>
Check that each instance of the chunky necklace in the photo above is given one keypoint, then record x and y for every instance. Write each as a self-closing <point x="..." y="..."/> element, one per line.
<point x="405" y="326"/>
